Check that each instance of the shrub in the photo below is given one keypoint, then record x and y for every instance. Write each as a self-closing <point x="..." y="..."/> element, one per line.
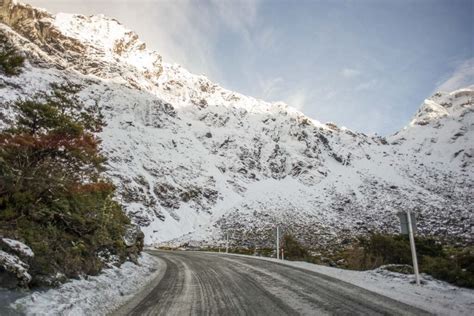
<point x="454" y="265"/>
<point x="449" y="270"/>
<point x="293" y="249"/>
<point x="382" y="249"/>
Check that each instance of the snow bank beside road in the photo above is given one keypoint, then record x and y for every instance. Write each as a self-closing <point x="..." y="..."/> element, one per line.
<point x="97" y="295"/>
<point x="437" y="297"/>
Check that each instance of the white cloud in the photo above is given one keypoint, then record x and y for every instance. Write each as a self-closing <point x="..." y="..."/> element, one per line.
<point x="349" y="73"/>
<point x="240" y="16"/>
<point x="462" y="77"/>
<point x="269" y="88"/>
<point x="188" y="37"/>
<point x="266" y="38"/>
<point x="298" y="99"/>
<point x="367" y="85"/>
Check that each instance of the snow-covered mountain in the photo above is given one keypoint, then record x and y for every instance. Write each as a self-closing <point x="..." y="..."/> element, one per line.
<point x="193" y="160"/>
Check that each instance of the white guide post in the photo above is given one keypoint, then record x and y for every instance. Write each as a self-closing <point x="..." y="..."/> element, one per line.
<point x="278" y="242"/>
<point x="413" y="249"/>
<point x="227" y="243"/>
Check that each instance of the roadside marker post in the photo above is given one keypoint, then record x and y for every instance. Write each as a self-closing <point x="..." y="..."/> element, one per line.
<point x="408" y="226"/>
<point x="227" y="243"/>
<point x="413" y="249"/>
<point x="278" y="242"/>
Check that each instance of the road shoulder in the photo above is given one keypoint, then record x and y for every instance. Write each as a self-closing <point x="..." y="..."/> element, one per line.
<point x="434" y="296"/>
<point x="129" y="305"/>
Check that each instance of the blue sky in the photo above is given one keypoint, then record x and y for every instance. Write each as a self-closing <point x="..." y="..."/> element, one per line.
<point x="366" y="65"/>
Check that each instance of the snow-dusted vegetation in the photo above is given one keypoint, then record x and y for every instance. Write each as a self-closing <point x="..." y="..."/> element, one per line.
<point x="97" y="295"/>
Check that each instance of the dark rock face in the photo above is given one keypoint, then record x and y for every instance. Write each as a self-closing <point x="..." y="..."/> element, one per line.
<point x="134" y="241"/>
<point x="13" y="273"/>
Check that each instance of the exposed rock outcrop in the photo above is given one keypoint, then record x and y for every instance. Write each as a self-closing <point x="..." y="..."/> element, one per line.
<point x="14" y="263"/>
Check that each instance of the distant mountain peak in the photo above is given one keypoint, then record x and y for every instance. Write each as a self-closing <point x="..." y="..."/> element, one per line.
<point x="443" y="104"/>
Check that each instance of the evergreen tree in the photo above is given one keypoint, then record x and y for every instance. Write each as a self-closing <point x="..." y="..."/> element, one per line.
<point x="53" y="194"/>
<point x="293" y="249"/>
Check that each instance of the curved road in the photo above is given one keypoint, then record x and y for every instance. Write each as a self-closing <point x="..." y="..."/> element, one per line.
<point x="198" y="283"/>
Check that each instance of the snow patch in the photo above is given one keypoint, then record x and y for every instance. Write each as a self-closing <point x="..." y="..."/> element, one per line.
<point x="96" y="295"/>
<point x="19" y="247"/>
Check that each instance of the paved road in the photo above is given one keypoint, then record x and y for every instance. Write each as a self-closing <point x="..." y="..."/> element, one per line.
<point x="197" y="283"/>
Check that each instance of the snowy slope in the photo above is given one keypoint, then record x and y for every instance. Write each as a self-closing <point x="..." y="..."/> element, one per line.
<point x="192" y="160"/>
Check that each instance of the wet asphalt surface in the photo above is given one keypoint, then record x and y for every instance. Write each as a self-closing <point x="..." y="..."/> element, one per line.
<point x="199" y="283"/>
